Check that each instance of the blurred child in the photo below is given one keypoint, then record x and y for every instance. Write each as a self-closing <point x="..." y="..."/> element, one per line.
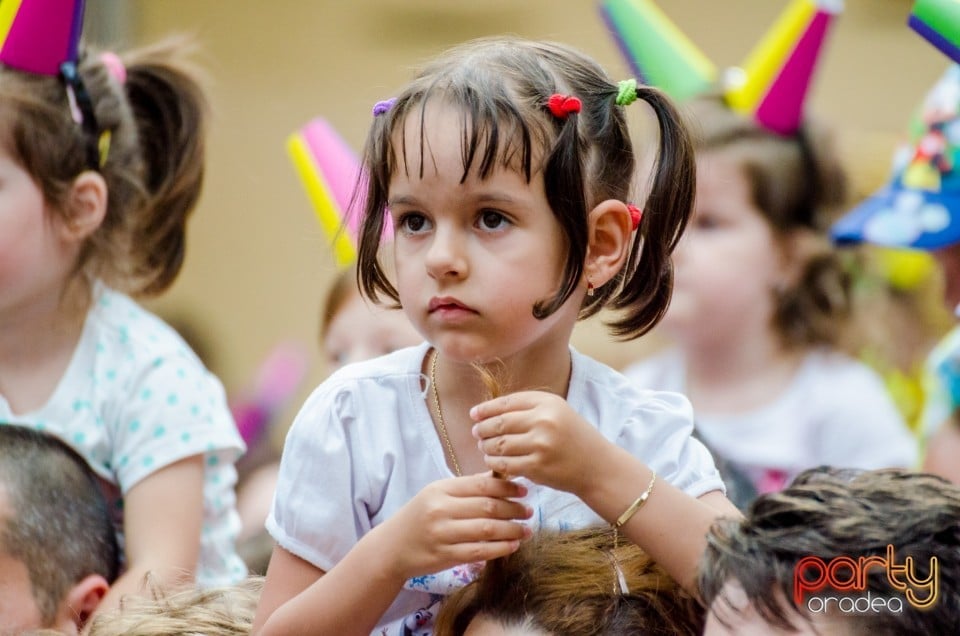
<point x="508" y="228"/>
<point x="895" y="533"/>
<point x="58" y="550"/>
<point x="102" y="160"/>
<point x="920" y="208"/>
<point x="760" y="304"/>
<point x="579" y="582"/>
<point x="351" y="330"/>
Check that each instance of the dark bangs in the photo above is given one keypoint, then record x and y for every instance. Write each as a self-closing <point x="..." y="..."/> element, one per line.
<point x="503" y="125"/>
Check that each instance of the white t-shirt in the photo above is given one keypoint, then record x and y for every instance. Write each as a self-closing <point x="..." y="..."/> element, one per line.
<point x="364" y="444"/>
<point x="134" y="399"/>
<point x="836" y="411"/>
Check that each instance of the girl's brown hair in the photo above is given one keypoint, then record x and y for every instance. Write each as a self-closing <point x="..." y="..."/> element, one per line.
<point x="568" y="583"/>
<point x="153" y="167"/>
<point x="798" y="184"/>
<point x="502" y="86"/>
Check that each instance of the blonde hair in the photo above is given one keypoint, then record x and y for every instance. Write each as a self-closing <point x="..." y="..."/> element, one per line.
<point x="576" y="582"/>
<point x="220" y="611"/>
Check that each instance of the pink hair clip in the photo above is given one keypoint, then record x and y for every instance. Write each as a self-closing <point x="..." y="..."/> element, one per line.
<point x="563" y="105"/>
<point x="383" y="106"/>
<point x="635" y="215"/>
<point x="114" y="66"/>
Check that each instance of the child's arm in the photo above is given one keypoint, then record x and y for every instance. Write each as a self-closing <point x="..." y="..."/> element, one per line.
<point x="449" y="522"/>
<point x="162" y="517"/>
<point x="539" y="436"/>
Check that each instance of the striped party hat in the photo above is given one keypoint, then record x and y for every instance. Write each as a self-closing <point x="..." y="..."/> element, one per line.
<point x="772" y="84"/>
<point x="938" y="21"/>
<point x="658" y="53"/>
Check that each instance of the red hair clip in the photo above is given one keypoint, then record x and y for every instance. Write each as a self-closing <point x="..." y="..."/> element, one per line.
<point x="635" y="215"/>
<point x="563" y="105"/>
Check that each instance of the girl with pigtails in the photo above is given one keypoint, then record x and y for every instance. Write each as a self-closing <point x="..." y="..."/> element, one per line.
<point x="506" y="169"/>
<point x="101" y="163"/>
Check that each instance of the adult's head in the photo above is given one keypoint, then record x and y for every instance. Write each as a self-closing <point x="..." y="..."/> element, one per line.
<point x="58" y="547"/>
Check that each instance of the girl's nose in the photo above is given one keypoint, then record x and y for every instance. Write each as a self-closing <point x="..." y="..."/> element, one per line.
<point x="446" y="257"/>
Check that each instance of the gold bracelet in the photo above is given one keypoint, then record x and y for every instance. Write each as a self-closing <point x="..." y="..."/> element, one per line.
<point x="636" y="505"/>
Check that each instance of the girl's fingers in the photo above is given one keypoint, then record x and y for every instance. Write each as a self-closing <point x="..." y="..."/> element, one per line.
<point x="466" y="531"/>
<point x="485" y="485"/>
<point x="483" y="508"/>
<point x="482" y="551"/>
<point x="519" y="401"/>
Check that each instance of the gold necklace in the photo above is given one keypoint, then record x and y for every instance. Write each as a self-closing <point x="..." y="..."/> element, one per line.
<point x="440" y="424"/>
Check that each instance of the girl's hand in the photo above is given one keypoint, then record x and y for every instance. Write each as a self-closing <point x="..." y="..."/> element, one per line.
<point x="537" y="435"/>
<point x="455" y="521"/>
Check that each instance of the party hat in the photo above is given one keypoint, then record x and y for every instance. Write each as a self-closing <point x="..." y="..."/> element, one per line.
<point x="329" y="170"/>
<point x="37" y="36"/>
<point x="658" y="53"/>
<point x="920" y="206"/>
<point x="777" y="73"/>
<point x="938" y="21"/>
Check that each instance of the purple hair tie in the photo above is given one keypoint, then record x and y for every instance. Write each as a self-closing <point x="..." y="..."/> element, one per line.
<point x="381" y="107"/>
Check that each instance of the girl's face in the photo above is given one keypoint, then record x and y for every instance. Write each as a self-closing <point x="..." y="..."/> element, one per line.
<point x="473" y="257"/>
<point x="360" y="331"/>
<point x="34" y="255"/>
<point x="728" y="262"/>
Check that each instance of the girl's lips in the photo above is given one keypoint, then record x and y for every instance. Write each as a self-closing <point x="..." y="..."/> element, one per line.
<point x="446" y="305"/>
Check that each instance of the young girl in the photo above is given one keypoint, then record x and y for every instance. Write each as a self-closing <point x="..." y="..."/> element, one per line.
<point x="759" y="305"/>
<point x="98" y="172"/>
<point x="505" y="168"/>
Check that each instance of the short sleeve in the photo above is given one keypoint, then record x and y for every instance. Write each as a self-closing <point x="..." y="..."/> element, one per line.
<point x="659" y="431"/>
<point x="318" y="512"/>
<point x="174" y="409"/>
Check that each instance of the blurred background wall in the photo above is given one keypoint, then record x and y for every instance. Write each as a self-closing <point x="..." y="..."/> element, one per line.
<point x="258" y="264"/>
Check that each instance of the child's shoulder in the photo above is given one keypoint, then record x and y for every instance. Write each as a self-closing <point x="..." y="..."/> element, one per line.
<point x="606" y="389"/>
<point x="123" y="329"/>
<point x="397" y="374"/>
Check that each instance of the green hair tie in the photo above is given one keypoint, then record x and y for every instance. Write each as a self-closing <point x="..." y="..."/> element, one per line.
<point x="626" y="92"/>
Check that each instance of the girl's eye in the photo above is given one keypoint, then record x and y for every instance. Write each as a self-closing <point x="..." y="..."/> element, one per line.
<point x="492" y="220"/>
<point x="413" y="222"/>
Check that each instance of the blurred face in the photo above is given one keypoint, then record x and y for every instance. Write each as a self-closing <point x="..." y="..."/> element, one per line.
<point x="34" y="260"/>
<point x="473" y="258"/>
<point x="360" y="331"/>
<point x="728" y="262"/>
<point x="18" y="608"/>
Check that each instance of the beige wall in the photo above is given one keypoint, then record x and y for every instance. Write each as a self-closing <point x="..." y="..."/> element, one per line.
<point x="257" y="263"/>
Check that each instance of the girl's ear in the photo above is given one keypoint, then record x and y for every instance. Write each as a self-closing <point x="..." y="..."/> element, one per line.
<point x="797" y="247"/>
<point x="87" y="205"/>
<point x="610" y="230"/>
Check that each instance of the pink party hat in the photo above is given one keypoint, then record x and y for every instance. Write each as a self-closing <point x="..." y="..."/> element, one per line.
<point x="658" y="53"/>
<point x="37" y="36"/>
<point x="938" y="21"/>
<point x="776" y="75"/>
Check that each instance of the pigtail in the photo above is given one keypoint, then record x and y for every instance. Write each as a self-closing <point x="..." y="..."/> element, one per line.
<point x="647" y="279"/>
<point x="171" y="114"/>
<point x="563" y="180"/>
<point x="378" y="164"/>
